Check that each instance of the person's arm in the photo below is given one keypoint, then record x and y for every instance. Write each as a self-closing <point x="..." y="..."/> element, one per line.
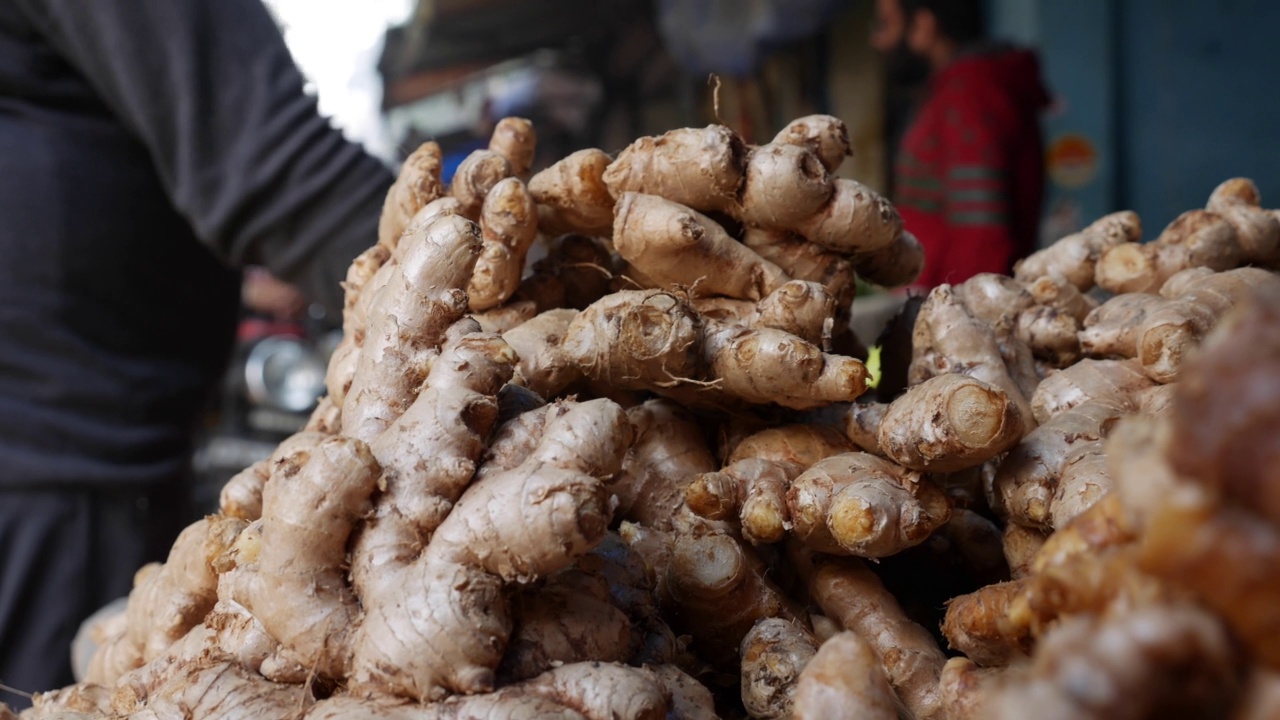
<point x="211" y="91"/>
<point x="976" y="193"/>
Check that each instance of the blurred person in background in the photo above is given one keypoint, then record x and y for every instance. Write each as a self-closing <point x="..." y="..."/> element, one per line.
<point x="969" y="172"/>
<point x="148" y="149"/>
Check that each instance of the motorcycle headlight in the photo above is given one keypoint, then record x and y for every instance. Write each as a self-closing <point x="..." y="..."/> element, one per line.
<point x="284" y="373"/>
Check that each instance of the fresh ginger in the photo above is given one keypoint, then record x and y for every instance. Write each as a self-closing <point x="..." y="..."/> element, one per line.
<point x="407" y="320"/>
<point x="825" y="136"/>
<point x="1196" y="238"/>
<point x="673" y="244"/>
<point x="669" y="451"/>
<point x="544" y="367"/>
<point x="802" y="444"/>
<point x="1088" y="380"/>
<point x="508" y="226"/>
<point x="1225" y="408"/>
<point x="844" y="680"/>
<point x="576" y="271"/>
<point x="860" y="504"/>
<point x="854" y="597"/>
<point x="701" y="168"/>
<point x="167" y="600"/>
<point x="516" y="141"/>
<point x="804" y="260"/>
<point x="476" y="175"/>
<point x="1151" y="662"/>
<point x="722" y="590"/>
<point x="310" y="506"/>
<point x="1075" y="257"/>
<point x="636" y="339"/>
<point x="419" y="183"/>
<point x="948" y="423"/>
<point x="1028" y="477"/>
<point x="484" y="544"/>
<point x="802" y="308"/>
<point x="783" y="186"/>
<point x="752" y="491"/>
<point x="241" y="497"/>
<point x="506" y="317"/>
<point x="429" y="454"/>
<point x="894" y="265"/>
<point x="570" y="619"/>
<point x="572" y="196"/>
<point x="774" y="653"/>
<point x="950" y="337"/>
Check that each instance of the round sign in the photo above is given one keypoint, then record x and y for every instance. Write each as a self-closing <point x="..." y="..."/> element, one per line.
<point x="1072" y="160"/>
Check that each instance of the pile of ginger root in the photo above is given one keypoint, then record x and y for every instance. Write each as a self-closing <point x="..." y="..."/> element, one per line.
<point x="643" y="476"/>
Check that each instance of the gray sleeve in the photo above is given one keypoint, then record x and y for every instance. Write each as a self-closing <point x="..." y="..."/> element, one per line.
<point x="210" y="89"/>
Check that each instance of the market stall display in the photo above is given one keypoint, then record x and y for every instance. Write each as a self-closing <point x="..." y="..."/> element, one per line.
<point x="639" y="479"/>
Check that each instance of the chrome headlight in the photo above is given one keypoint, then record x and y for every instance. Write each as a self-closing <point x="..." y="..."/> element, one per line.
<point x="284" y="373"/>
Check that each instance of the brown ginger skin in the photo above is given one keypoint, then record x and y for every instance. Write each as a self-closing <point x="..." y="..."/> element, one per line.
<point x="570" y="619"/>
<point x="309" y="509"/>
<point x="1021" y="545"/>
<point x="701" y="168"/>
<point x="1196" y="238"/>
<point x="722" y="590"/>
<point x="802" y="444"/>
<point x="673" y="244"/>
<point x="774" y="652"/>
<point x="476" y="175"/>
<point x="636" y="339"/>
<point x="669" y="451"/>
<point x="516" y="141"/>
<point x="949" y="423"/>
<point x="856" y="220"/>
<point x="1028" y="477"/>
<point x="483" y="545"/>
<point x="407" y="321"/>
<point x="772" y="366"/>
<point x="241" y="497"/>
<point x="1074" y="257"/>
<point x="508" y="226"/>
<point x="419" y="183"/>
<point x="854" y="597"/>
<point x="977" y="625"/>
<point x="1257" y="231"/>
<point x="1225" y="408"/>
<point x="1159" y="661"/>
<point x="544" y="366"/>
<point x="950" y="337"/>
<point x="844" y="680"/>
<point x="429" y="455"/>
<point x="897" y="264"/>
<point x="1088" y="380"/>
<point x="784" y="186"/>
<point x="752" y="491"/>
<point x="167" y="599"/>
<point x="825" y="136"/>
<point x="964" y="688"/>
<point x="572" y="196"/>
<point x="804" y="260"/>
<point x="860" y="504"/>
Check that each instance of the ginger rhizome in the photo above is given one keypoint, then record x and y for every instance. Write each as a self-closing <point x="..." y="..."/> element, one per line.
<point x="595" y="445"/>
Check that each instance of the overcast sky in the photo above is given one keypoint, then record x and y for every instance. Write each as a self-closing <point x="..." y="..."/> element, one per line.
<point x="336" y="43"/>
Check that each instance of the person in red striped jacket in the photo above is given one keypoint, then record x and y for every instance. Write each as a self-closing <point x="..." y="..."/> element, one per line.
<point x="969" y="173"/>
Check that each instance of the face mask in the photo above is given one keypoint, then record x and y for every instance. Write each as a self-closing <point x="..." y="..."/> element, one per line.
<point x="905" y="67"/>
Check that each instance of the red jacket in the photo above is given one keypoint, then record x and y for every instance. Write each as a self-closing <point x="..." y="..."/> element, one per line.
<point x="970" y="172"/>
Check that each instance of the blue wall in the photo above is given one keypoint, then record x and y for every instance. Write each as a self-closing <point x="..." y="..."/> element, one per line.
<point x="1176" y="96"/>
<point x="1199" y="101"/>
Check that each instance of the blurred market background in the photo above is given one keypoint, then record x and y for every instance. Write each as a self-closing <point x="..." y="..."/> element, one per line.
<point x="1155" y="100"/>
